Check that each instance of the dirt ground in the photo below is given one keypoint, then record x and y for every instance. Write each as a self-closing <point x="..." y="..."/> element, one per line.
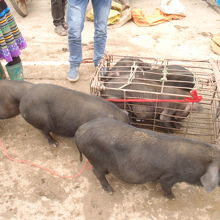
<point x="31" y="193"/>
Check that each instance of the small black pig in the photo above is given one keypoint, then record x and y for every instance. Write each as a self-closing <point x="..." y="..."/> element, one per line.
<point x="167" y="112"/>
<point x="124" y="65"/>
<point x="11" y="92"/>
<point x="59" y="110"/>
<point x="176" y="75"/>
<point x="138" y="156"/>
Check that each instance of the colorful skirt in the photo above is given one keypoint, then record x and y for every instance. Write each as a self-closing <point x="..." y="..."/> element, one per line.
<point x="11" y="40"/>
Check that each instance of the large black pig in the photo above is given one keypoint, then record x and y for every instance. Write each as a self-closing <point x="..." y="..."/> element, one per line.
<point x="59" y="110"/>
<point x="139" y="155"/>
<point x="11" y="92"/>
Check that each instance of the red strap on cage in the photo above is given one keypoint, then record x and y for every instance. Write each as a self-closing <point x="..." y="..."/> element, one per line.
<point x="194" y="98"/>
<point x="87" y="60"/>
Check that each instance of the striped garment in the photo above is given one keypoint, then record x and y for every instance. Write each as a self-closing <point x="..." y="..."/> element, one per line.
<point x="11" y="40"/>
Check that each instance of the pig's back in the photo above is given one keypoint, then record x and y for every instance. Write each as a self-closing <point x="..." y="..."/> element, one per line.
<point x="64" y="109"/>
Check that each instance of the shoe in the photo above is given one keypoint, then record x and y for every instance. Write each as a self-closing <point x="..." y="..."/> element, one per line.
<point x="73" y="74"/>
<point x="65" y="25"/>
<point x="60" y="30"/>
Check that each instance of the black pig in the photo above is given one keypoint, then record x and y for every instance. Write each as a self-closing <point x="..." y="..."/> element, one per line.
<point x="59" y="110"/>
<point x="11" y="92"/>
<point x="176" y="75"/>
<point x="138" y="156"/>
<point x="169" y="113"/>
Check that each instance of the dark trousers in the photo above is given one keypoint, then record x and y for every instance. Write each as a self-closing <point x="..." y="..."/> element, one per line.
<point x="14" y="61"/>
<point x="58" y="11"/>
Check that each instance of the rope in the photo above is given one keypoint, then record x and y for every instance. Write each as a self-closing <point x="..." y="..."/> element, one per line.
<point x="194" y="98"/>
<point x="132" y="72"/>
<point x="165" y="73"/>
<point x="52" y="172"/>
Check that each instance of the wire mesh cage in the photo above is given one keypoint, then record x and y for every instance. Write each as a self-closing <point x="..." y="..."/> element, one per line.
<point x="165" y="95"/>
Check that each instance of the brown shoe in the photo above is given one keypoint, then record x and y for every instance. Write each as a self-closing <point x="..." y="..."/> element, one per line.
<point x="60" y="30"/>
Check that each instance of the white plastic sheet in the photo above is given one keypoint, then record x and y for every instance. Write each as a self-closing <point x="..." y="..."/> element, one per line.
<point x="172" y="7"/>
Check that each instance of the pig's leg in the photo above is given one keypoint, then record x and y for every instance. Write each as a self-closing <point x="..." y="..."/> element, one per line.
<point x="166" y="118"/>
<point x="8" y="110"/>
<point x="176" y="124"/>
<point x="100" y="174"/>
<point x="3" y="113"/>
<point x="168" y="126"/>
<point x="167" y="181"/>
<point x="39" y="118"/>
<point x="50" y="139"/>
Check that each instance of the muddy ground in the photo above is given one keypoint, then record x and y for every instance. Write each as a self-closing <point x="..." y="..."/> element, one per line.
<point x="31" y="193"/>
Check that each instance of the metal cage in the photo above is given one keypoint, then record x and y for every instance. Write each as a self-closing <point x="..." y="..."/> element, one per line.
<point x="157" y="93"/>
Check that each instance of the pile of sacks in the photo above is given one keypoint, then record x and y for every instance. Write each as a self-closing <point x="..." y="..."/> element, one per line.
<point x="120" y="14"/>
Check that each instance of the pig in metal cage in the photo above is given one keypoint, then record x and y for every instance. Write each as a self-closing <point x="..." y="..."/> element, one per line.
<point x="167" y="95"/>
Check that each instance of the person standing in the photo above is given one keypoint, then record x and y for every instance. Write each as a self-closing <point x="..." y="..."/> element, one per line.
<point x="58" y="14"/>
<point x="11" y="42"/>
<point x="76" y="11"/>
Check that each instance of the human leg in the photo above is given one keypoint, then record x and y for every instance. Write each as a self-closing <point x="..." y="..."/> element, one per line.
<point x="15" y="69"/>
<point x="101" y="13"/>
<point x="2" y="72"/>
<point x="64" y="3"/>
<point x="76" y="10"/>
<point x="58" y="13"/>
<point x="11" y="39"/>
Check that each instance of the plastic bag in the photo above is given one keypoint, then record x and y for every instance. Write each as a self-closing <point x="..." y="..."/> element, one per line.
<point x="172" y="7"/>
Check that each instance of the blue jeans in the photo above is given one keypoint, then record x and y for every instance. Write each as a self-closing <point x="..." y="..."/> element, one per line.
<point x="76" y="11"/>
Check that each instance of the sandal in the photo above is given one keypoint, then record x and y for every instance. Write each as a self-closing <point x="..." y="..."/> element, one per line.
<point x="60" y="30"/>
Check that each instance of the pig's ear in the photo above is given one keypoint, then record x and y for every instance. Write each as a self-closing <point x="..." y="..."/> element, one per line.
<point x="166" y="114"/>
<point x="187" y="110"/>
<point x="210" y="179"/>
<point x="197" y="107"/>
<point x="191" y="107"/>
<point x="113" y="74"/>
<point x="117" y="74"/>
<point x="125" y="111"/>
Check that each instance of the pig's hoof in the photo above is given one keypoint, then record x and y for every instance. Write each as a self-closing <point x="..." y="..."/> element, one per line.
<point x="110" y="193"/>
<point x="178" y="126"/>
<point x="54" y="143"/>
<point x="108" y="189"/>
<point x="170" y="131"/>
<point x="170" y="196"/>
